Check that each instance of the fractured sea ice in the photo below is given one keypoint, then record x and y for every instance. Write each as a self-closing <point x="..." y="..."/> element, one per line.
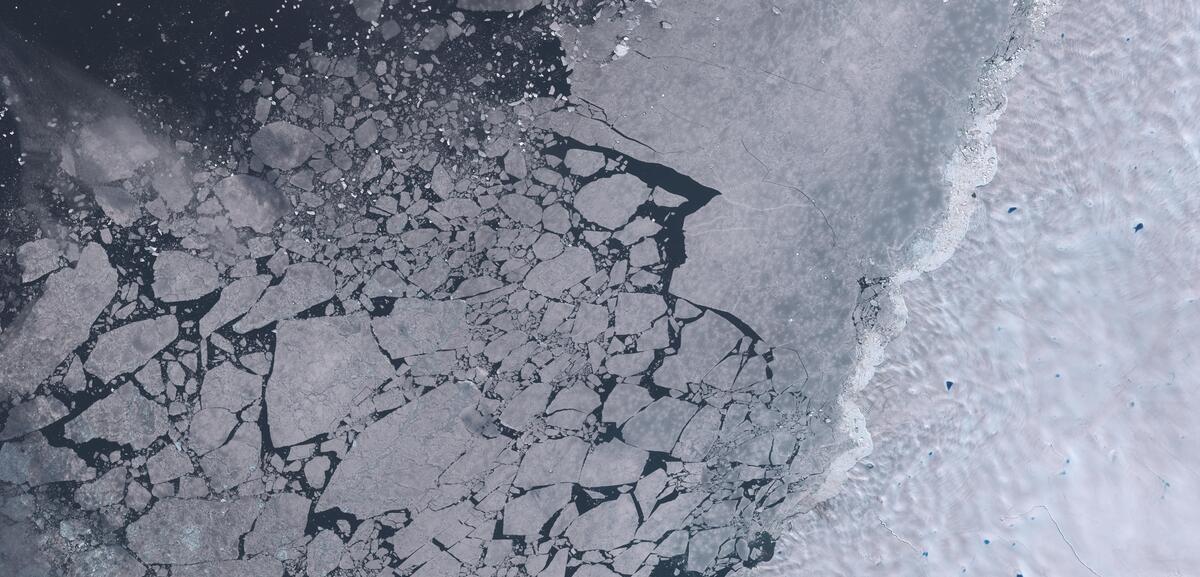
<point x="361" y="485"/>
<point x="57" y="323"/>
<point x="126" y="348"/>
<point x="417" y="326"/>
<point x="34" y="462"/>
<point x="237" y="461"/>
<point x="322" y="365"/>
<point x="304" y="285"/>
<point x="108" y="560"/>
<point x="610" y="202"/>
<point x="251" y="202"/>
<point x="280" y="523"/>
<point x="32" y="415"/>
<point x="179" y="276"/>
<point x="657" y="426"/>
<point x="125" y="417"/>
<point x="285" y="146"/>
<point x="111" y="149"/>
<point x="227" y="387"/>
<point x="186" y="531"/>
<point x="106" y="490"/>
<point x="612" y="463"/>
<point x="39" y="258"/>
<point x="400" y="324"/>
<point x="263" y="565"/>
<point x="606" y="526"/>
<point x="554" y="276"/>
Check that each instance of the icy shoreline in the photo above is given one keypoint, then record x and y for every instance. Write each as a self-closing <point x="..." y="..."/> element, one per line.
<point x="973" y="166"/>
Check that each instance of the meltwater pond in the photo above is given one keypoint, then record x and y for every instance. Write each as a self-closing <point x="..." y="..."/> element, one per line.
<point x="1037" y="416"/>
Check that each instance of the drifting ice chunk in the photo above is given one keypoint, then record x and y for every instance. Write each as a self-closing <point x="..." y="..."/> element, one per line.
<point x="112" y="149"/>
<point x="612" y="463"/>
<point x="514" y="164"/>
<point x="124" y="417"/>
<point x="658" y="425"/>
<point x="367" y="133"/>
<point x="522" y="209"/>
<point x="322" y="365"/>
<point x="251" y="202"/>
<point x="57" y="323"/>
<point x="590" y="321"/>
<point x="583" y="162"/>
<point x="606" y="527"/>
<point x="610" y="202"/>
<point x="177" y="531"/>
<point x="416" y="444"/>
<point x="418" y="326"/>
<point x="368" y="10"/>
<point x="554" y="276"/>
<point x="284" y="145"/>
<point x="434" y="38"/>
<point x="126" y="348"/>
<point x="179" y="276"/>
<point x="552" y="461"/>
<point x="304" y="286"/>
<point x="32" y="460"/>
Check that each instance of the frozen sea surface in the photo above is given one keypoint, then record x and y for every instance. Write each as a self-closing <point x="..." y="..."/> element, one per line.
<point x="1036" y="418"/>
<point x="575" y="293"/>
<point x="608" y="329"/>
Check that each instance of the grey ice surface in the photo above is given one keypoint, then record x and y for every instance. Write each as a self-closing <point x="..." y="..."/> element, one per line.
<point x="179" y="276"/>
<point x="322" y="366"/>
<point x="251" y="201"/>
<point x="128" y="347"/>
<point x="58" y="322"/>
<point x="285" y="146"/>
<point x="493" y="287"/>
<point x="303" y="285"/>
<point x="125" y="417"/>
<point x="112" y="149"/>
<point x="417" y="326"/>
